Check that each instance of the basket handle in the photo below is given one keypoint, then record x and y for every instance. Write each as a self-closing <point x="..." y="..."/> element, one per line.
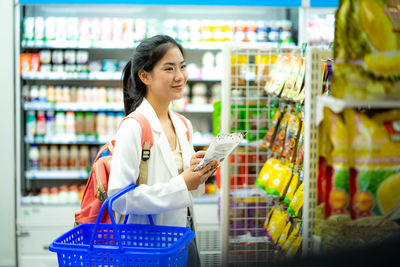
<point x="109" y="201"/>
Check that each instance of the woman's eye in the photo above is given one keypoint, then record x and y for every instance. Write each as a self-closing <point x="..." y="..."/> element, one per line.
<point x="183" y="67"/>
<point x="169" y="69"/>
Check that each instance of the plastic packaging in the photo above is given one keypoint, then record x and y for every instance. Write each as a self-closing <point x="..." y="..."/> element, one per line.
<point x="220" y="148"/>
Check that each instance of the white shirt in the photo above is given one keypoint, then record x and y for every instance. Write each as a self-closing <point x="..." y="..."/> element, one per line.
<point x="165" y="196"/>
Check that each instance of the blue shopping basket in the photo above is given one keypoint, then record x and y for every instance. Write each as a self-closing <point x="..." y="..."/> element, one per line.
<point x="122" y="245"/>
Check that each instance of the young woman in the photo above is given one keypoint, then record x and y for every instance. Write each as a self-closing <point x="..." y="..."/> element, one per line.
<point x="156" y="75"/>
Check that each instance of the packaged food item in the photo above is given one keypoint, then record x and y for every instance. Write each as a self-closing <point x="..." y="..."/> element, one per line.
<point x="300" y="147"/>
<point x="220" y="148"/>
<point x="284" y="235"/>
<point x="276" y="223"/>
<point x="279" y="141"/>
<point x="280" y="179"/>
<point x="298" y="86"/>
<point x="294" y="183"/>
<point x="294" y="247"/>
<point x="266" y="173"/>
<point x="294" y="234"/>
<point x="292" y="76"/>
<point x="291" y="136"/>
<point x="270" y="135"/>
<point x="337" y="190"/>
<point x="297" y="202"/>
<point x="278" y="75"/>
<point x="375" y="181"/>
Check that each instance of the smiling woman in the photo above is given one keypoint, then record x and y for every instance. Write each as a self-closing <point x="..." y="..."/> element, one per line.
<point x="156" y="75"/>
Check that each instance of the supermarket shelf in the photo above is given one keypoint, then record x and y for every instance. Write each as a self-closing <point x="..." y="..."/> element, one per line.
<point x="338" y="105"/>
<point x="52" y="44"/>
<point x="197" y="141"/>
<point x="56" y="174"/>
<point x="88" y="76"/>
<point x="36" y="105"/>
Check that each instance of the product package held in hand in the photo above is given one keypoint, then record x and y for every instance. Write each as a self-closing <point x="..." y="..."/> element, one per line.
<point x="220" y="148"/>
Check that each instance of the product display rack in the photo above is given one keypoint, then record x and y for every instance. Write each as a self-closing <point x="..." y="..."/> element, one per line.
<point x="244" y="206"/>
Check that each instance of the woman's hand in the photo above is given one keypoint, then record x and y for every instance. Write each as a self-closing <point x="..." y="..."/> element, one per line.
<point x="194" y="179"/>
<point x="197" y="157"/>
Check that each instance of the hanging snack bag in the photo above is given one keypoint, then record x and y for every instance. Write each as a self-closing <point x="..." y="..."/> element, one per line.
<point x="278" y="183"/>
<point x="294" y="234"/>
<point x="375" y="181"/>
<point x="337" y="185"/>
<point x="266" y="173"/>
<point x="294" y="183"/>
<point x="298" y="86"/>
<point x="297" y="202"/>
<point x="276" y="223"/>
<point x="293" y="73"/>
<point x="294" y="247"/>
<point x="277" y="77"/>
<point x="300" y="147"/>
<point x="270" y="135"/>
<point x="279" y="141"/>
<point x="284" y="236"/>
<point x="291" y="136"/>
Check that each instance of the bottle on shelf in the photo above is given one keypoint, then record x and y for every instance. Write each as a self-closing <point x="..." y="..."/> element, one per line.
<point x="70" y="125"/>
<point x="83" y="157"/>
<point x="40" y="124"/>
<point x="44" y="157"/>
<point x="50" y="125"/>
<point x="44" y="195"/>
<point x="54" y="157"/>
<point x="34" y="93"/>
<point x="33" y="157"/>
<point x="64" y="154"/>
<point x="31" y="125"/>
<point x="73" y="158"/>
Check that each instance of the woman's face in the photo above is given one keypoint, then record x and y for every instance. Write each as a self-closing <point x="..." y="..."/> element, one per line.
<point x="169" y="76"/>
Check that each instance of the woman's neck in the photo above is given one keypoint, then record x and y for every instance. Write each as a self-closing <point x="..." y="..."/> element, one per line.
<point x="160" y="107"/>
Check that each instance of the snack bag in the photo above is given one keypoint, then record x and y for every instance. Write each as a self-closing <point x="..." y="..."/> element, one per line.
<point x="270" y="135"/>
<point x="294" y="247"/>
<point x="300" y="147"/>
<point x="284" y="235"/>
<point x="297" y="202"/>
<point x="375" y="181"/>
<point x="280" y="179"/>
<point x="266" y="173"/>
<point x="292" y="236"/>
<point x="298" y="86"/>
<point x="294" y="183"/>
<point x="337" y="183"/>
<point x="279" y="140"/>
<point x="291" y="137"/>
<point x="220" y="148"/>
<point x="276" y="79"/>
<point x="276" y="223"/>
<point x="293" y="73"/>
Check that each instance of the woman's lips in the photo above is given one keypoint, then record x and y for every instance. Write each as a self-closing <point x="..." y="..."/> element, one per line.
<point x="178" y="87"/>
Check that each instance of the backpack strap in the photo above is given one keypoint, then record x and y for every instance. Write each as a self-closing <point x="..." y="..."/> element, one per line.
<point x="147" y="144"/>
<point x="186" y="124"/>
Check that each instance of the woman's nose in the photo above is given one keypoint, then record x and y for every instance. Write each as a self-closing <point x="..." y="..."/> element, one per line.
<point x="179" y="75"/>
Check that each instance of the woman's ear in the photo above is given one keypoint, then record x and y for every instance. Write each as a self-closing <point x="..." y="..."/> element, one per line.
<point x="144" y="76"/>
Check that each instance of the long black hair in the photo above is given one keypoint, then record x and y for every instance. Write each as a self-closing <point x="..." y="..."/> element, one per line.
<point x="145" y="57"/>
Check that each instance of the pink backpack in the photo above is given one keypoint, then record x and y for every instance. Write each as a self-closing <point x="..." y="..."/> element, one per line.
<point x="97" y="185"/>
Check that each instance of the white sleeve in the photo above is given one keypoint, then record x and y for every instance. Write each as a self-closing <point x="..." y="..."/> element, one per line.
<point x="201" y="189"/>
<point x="145" y="199"/>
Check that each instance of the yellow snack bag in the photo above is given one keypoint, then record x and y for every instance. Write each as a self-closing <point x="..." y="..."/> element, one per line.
<point x="292" y="236"/>
<point x="265" y="173"/>
<point x="297" y="202"/>
<point x="280" y="179"/>
<point x="284" y="235"/>
<point x="294" y="247"/>
<point x="292" y="186"/>
<point x="276" y="223"/>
